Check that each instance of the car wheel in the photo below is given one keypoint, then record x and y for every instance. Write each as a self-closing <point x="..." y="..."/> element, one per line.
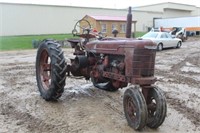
<point x="159" y="47"/>
<point x="178" y="45"/>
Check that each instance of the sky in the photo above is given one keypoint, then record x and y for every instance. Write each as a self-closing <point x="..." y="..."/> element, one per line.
<point x="118" y="4"/>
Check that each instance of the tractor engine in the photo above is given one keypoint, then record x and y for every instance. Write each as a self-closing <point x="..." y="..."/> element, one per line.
<point x="117" y="61"/>
<point x="111" y="64"/>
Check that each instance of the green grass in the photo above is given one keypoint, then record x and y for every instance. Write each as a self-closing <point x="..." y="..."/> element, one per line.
<point x="25" y="42"/>
<point x="139" y="34"/>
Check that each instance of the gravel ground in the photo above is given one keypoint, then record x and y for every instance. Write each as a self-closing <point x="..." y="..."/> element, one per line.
<point x="86" y="109"/>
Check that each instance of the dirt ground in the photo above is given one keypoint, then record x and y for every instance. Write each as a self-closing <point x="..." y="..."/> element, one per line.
<point x="86" y="109"/>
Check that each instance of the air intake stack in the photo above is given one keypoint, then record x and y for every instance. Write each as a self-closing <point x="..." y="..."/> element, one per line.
<point x="129" y="24"/>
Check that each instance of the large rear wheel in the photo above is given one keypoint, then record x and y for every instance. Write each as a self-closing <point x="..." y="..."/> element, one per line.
<point x="50" y="70"/>
<point x="135" y="108"/>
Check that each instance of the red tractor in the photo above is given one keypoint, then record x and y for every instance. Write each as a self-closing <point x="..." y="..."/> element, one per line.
<point x="110" y="63"/>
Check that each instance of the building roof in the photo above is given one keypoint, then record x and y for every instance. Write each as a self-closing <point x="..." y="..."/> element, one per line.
<point x="165" y="5"/>
<point x="162" y="3"/>
<point x="108" y="18"/>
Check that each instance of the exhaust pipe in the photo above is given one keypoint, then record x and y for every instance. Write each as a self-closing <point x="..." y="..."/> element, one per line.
<point x="129" y="24"/>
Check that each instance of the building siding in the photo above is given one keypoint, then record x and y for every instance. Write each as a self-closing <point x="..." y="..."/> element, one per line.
<point x="27" y="19"/>
<point x="97" y="25"/>
<point x="19" y="19"/>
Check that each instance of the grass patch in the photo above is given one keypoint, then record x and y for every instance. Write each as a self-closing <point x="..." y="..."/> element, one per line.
<point x="139" y="34"/>
<point x="25" y="42"/>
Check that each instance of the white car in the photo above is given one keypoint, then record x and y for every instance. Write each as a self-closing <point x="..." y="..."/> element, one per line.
<point x="163" y="40"/>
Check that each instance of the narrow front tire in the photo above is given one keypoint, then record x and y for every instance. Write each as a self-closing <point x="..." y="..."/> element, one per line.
<point x="157" y="107"/>
<point x="135" y="108"/>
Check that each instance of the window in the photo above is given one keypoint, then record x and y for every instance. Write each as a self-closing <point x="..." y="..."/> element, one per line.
<point x="123" y="28"/>
<point x="103" y="28"/>
<point x="114" y="27"/>
<point x="168" y="35"/>
<point x="163" y="35"/>
<point x="150" y="35"/>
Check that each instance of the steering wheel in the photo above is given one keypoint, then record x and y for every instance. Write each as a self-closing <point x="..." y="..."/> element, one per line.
<point x="85" y="29"/>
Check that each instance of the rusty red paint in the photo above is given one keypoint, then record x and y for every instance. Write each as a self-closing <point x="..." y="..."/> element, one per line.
<point x="114" y="62"/>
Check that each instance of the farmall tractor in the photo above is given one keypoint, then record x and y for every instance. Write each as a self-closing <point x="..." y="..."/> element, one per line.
<point x="110" y="63"/>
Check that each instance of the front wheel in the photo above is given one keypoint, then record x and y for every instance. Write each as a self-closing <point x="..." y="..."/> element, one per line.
<point x="50" y="70"/>
<point x="159" y="47"/>
<point x="135" y="108"/>
<point x="157" y="107"/>
<point x="178" y="45"/>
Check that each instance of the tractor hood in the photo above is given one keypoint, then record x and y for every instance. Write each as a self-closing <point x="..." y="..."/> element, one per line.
<point x="118" y="46"/>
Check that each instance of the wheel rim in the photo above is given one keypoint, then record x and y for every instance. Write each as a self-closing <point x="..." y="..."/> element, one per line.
<point x="160" y="47"/>
<point x="179" y="45"/>
<point x="151" y="107"/>
<point x="131" y="109"/>
<point x="156" y="107"/>
<point x="135" y="108"/>
<point x="45" y="69"/>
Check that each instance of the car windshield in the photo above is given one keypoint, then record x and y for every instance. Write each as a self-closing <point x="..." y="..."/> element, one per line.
<point x="150" y="35"/>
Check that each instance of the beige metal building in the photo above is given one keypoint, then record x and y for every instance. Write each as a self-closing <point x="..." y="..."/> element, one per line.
<point x="29" y="19"/>
<point x="170" y="9"/>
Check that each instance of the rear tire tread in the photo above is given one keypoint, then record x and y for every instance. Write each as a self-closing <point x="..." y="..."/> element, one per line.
<point x="58" y="70"/>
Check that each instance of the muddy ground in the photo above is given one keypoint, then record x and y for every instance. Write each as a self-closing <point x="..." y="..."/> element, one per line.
<point x="85" y="109"/>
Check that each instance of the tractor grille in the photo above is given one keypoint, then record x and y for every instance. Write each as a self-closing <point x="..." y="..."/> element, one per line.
<point x="143" y="62"/>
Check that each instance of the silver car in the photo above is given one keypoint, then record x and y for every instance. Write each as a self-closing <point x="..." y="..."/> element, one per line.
<point x="163" y="40"/>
